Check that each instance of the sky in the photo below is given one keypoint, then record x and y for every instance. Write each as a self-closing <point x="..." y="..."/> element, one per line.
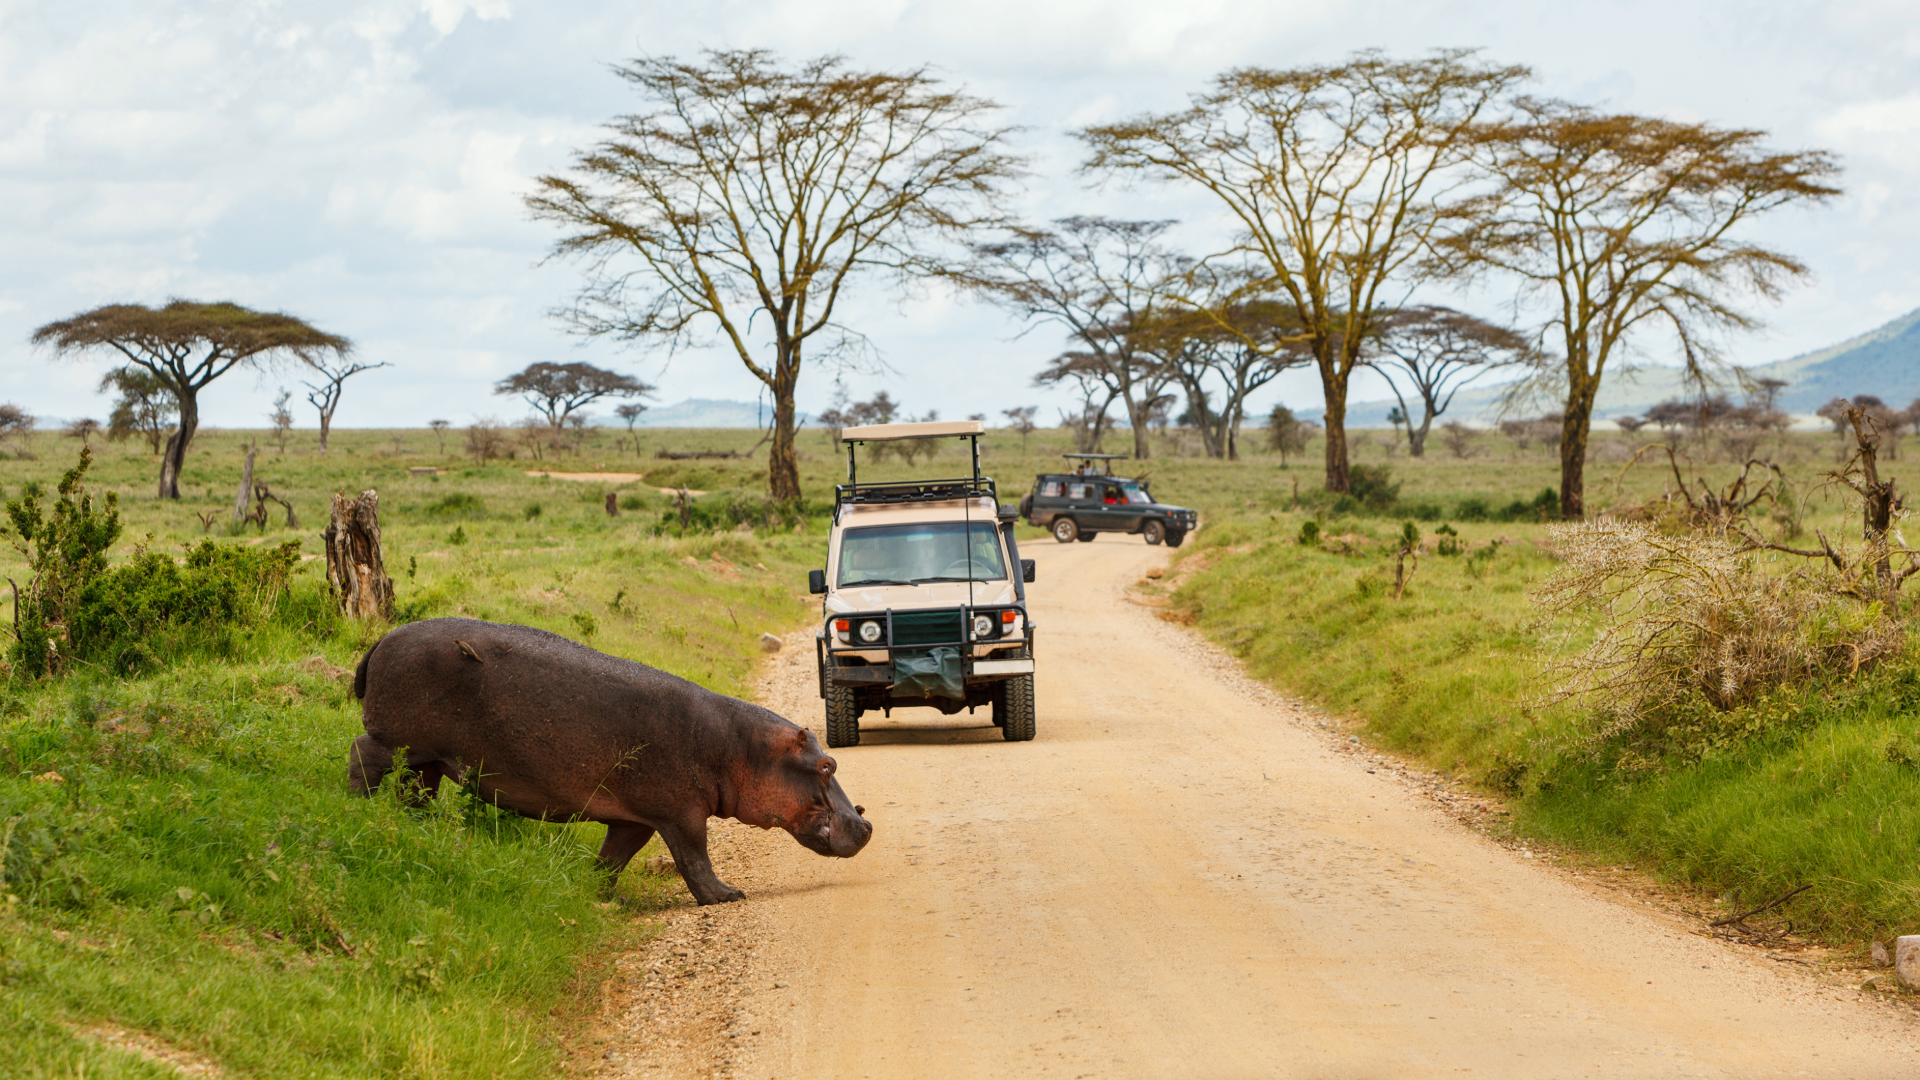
<point x="362" y="164"/>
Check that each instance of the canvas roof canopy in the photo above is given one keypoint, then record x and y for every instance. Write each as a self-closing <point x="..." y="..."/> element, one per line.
<point x="924" y="430"/>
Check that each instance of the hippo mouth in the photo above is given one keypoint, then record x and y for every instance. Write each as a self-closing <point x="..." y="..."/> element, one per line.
<point x="839" y="835"/>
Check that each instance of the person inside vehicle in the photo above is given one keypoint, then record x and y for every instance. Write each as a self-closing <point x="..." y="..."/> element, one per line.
<point x="1113" y="497"/>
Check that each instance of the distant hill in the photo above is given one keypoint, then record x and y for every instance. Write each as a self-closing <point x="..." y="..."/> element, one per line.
<point x="702" y="413"/>
<point x="1884" y="362"/>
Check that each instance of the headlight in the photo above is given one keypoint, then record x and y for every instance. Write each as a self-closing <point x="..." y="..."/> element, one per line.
<point x="870" y="632"/>
<point x="982" y="626"/>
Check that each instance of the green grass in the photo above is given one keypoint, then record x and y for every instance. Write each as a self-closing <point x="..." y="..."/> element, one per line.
<point x="198" y="872"/>
<point x="1812" y="784"/>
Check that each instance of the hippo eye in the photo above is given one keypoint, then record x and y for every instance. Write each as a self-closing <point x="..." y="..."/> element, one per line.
<point x="826" y="767"/>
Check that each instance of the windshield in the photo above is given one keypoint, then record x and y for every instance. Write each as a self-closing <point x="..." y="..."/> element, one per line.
<point x="1136" y="496"/>
<point x="927" y="551"/>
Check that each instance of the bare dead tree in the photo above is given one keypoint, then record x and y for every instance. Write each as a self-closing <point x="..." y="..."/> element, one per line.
<point x="1338" y="179"/>
<point x="331" y="374"/>
<point x="746" y="188"/>
<point x="187" y="345"/>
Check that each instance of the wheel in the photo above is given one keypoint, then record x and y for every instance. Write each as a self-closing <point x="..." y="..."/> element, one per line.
<point x="1153" y="532"/>
<point x="1026" y="505"/>
<point x="1176" y="538"/>
<point x="1013" y="708"/>
<point x="843" y="717"/>
<point x="1065" y="530"/>
<point x="1086" y="537"/>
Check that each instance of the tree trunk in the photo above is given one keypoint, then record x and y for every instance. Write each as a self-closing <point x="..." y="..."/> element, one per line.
<point x="355" y="570"/>
<point x="174" y="460"/>
<point x="1574" y="429"/>
<point x="1417" y="439"/>
<point x="326" y="427"/>
<point x="1338" y="480"/>
<point x="783" y="467"/>
<point x="244" y="495"/>
<point x="1137" y="416"/>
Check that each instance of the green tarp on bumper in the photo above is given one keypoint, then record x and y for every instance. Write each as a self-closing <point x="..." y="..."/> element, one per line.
<point x="934" y="673"/>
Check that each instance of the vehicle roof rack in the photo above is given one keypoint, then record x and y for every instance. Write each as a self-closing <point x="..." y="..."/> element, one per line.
<point x="1105" y="460"/>
<point x="910" y="491"/>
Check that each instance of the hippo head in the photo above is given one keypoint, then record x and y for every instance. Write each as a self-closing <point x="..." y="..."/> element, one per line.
<point x="801" y="796"/>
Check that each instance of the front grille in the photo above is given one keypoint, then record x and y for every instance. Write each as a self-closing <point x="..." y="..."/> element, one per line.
<point x="927" y="628"/>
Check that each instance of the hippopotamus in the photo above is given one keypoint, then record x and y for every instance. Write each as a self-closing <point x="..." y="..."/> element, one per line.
<point x="555" y="730"/>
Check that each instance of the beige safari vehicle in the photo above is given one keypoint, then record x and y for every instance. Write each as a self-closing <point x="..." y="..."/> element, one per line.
<point x="924" y="596"/>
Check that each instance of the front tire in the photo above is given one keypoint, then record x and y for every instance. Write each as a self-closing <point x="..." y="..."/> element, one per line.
<point x="843" y="717"/>
<point x="1176" y="538"/>
<point x="1066" y="530"/>
<point x="1086" y="537"/>
<point x="1013" y="708"/>
<point x="1153" y="532"/>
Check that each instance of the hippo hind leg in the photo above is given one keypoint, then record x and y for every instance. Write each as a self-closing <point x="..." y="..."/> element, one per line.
<point x="369" y="762"/>
<point x="624" y="841"/>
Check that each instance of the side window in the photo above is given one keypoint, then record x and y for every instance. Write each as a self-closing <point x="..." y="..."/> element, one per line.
<point x="1077" y="491"/>
<point x="1050" y="489"/>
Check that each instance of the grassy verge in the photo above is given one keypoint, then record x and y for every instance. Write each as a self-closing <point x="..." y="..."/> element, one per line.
<point x="1816" y="784"/>
<point x="182" y="866"/>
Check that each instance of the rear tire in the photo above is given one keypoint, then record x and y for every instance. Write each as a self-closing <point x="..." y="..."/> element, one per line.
<point x="1153" y="532"/>
<point x="1176" y="538"/>
<point x="1066" y="530"/>
<point x="843" y="717"/>
<point x="1013" y="708"/>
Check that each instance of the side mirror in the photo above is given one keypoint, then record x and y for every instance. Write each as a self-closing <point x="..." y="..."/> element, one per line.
<point x="1026" y="571"/>
<point x="817" y="582"/>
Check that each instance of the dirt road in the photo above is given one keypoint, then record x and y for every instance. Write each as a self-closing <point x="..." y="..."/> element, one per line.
<point x="1183" y="877"/>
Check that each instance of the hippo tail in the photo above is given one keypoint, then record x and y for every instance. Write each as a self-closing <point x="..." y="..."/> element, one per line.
<point x="360" y="673"/>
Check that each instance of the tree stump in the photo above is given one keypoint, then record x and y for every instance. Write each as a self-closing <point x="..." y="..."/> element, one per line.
<point x="613" y="504"/>
<point x="354" y="567"/>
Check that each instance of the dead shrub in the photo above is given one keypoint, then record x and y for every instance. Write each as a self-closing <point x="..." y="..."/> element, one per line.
<point x="1697" y="615"/>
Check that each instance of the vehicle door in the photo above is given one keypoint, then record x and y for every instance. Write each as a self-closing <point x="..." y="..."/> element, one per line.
<point x="1113" y="514"/>
<point x="1083" y="502"/>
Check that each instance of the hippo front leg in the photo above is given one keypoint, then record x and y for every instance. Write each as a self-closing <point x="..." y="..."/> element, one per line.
<point x="688" y="842"/>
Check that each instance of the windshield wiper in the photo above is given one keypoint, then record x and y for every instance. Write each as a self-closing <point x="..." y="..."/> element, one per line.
<point x="924" y="580"/>
<point x="876" y="581"/>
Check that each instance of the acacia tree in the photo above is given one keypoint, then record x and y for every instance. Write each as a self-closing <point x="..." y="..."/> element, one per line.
<point x="748" y="189"/>
<point x="1621" y="224"/>
<point x="1244" y="345"/>
<point x="324" y="393"/>
<point x="1088" y="375"/>
<point x="1339" y="179"/>
<point x="1095" y="277"/>
<point x="1433" y="352"/>
<point x="186" y="345"/>
<point x="556" y="390"/>
<point x="141" y="406"/>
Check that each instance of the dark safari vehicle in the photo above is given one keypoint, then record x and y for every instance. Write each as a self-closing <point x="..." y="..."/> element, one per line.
<point x="1090" y="500"/>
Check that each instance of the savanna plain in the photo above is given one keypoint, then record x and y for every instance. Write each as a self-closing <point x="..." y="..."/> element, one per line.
<point x="189" y="886"/>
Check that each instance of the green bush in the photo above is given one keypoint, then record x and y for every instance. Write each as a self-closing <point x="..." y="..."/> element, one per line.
<point x="1544" y="507"/>
<point x="725" y="510"/>
<point x="1373" y="486"/>
<point x="458" y="504"/>
<point x="64" y="552"/>
<point x="1473" y="509"/>
<point x="131" y="615"/>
